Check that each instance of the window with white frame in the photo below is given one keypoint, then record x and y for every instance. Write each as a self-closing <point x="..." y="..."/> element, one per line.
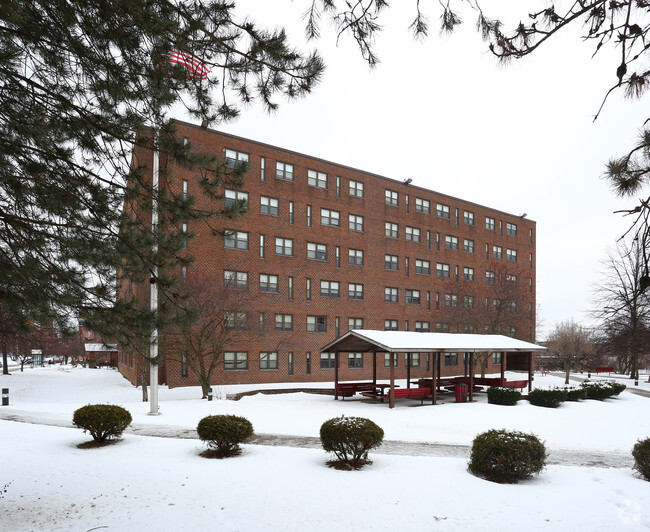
<point x="234" y="319"/>
<point x="468" y="245"/>
<point x="284" y="171"/>
<point x="185" y="189"/>
<point x="355" y="323"/>
<point x="422" y="266"/>
<point x="235" y="360"/>
<point x="269" y="205"/>
<point x="468" y="218"/>
<point x="451" y="242"/>
<point x="390" y="325"/>
<point x="511" y="331"/>
<point x="356" y="189"/>
<point x="232" y="197"/>
<point x="451" y="300"/>
<point x="442" y="211"/>
<point x="451" y="359"/>
<point x="391" y="229"/>
<point x="422" y="205"/>
<point x="412" y="359"/>
<point x="511" y="279"/>
<point x="489" y="277"/>
<point x="327" y="360"/>
<point x="284" y="246"/>
<point x="442" y="327"/>
<point x="412" y="297"/>
<point x="355" y="291"/>
<point x="235" y="239"/>
<point x="355" y="222"/>
<point x="391" y="262"/>
<point x="392" y="198"/>
<point x="355" y="360"/>
<point x="496" y="358"/>
<point x="268" y="360"/>
<point x="316" y="251"/>
<point x="234" y="157"/>
<point x="422" y="326"/>
<point x="490" y="223"/>
<point x="468" y="302"/>
<point x="390" y="294"/>
<point x="330" y="218"/>
<point x="511" y="229"/>
<point x="330" y="288"/>
<point x="284" y="322"/>
<point x="469" y="329"/>
<point x="316" y="323"/>
<point x="511" y="306"/>
<point x="412" y="234"/>
<point x="497" y="252"/>
<point x="511" y="255"/>
<point x="355" y="257"/>
<point x="387" y="360"/>
<point x="442" y="270"/>
<point x="268" y="282"/>
<point x="234" y="279"/>
<point x="468" y="273"/>
<point x="316" y="179"/>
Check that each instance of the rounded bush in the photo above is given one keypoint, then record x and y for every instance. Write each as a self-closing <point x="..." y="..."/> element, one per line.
<point x="224" y="433"/>
<point x="575" y="394"/>
<point x="350" y="439"/>
<point x="617" y="387"/>
<point x="506" y="456"/>
<point x="641" y="454"/>
<point x="503" y="396"/>
<point x="103" y="422"/>
<point x="547" y="398"/>
<point x="599" y="390"/>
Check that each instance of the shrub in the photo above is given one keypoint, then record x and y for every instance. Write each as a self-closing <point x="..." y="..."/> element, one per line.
<point x="350" y="439"/>
<point x="224" y="433"/>
<point x="575" y="394"/>
<point x="103" y="422"/>
<point x="506" y="456"/>
<point x="598" y="390"/>
<point x="503" y="396"/>
<point x="617" y="387"/>
<point x="548" y="398"/>
<point x="641" y="454"/>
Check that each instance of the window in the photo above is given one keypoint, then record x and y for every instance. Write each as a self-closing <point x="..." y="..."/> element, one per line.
<point x="262" y="169"/>
<point x="329" y="217"/>
<point x="451" y="242"/>
<point x="391" y="262"/>
<point x="268" y="283"/>
<point x="497" y="252"/>
<point x="316" y="251"/>
<point x="238" y="280"/>
<point x="356" y="189"/>
<point x="442" y="270"/>
<point x="284" y="322"/>
<point x="235" y="157"/>
<point x="412" y="297"/>
<point x="422" y="326"/>
<point x="355" y="257"/>
<point x="355" y="323"/>
<point x="468" y="246"/>
<point x="422" y="266"/>
<point x="489" y="277"/>
<point x="316" y="179"/>
<point x="422" y="205"/>
<point x="511" y="279"/>
<point x="235" y="360"/>
<point x="355" y="291"/>
<point x="184" y="232"/>
<point x="468" y="329"/>
<point x="268" y="360"/>
<point x="355" y="222"/>
<point x="308" y="215"/>
<point x="235" y="319"/>
<point x="390" y="325"/>
<point x="327" y="360"/>
<point x="233" y="197"/>
<point x="451" y="359"/>
<point x="391" y="229"/>
<point x="330" y="288"/>
<point x="316" y="323"/>
<point x="511" y="254"/>
<point x="511" y="331"/>
<point x="512" y="306"/>
<point x="284" y="246"/>
<point x="489" y="223"/>
<point x="390" y="294"/>
<point x="184" y="368"/>
<point x="308" y="289"/>
<point x="387" y="360"/>
<point x="412" y="234"/>
<point x="236" y="239"/>
<point x="496" y="358"/>
<point x="392" y="198"/>
<point x="355" y="360"/>
<point x="442" y="211"/>
<point x="269" y="206"/>
<point x="451" y="300"/>
<point x="468" y="218"/>
<point x="468" y="302"/>
<point x="468" y="273"/>
<point x="442" y="327"/>
<point x="185" y="189"/>
<point x="290" y="287"/>
<point x="511" y="229"/>
<point x="412" y="359"/>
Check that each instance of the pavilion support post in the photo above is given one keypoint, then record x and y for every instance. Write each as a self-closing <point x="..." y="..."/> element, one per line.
<point x="530" y="371"/>
<point x="408" y="370"/>
<point x="336" y="375"/>
<point x="471" y="376"/>
<point x="503" y="366"/>
<point x="434" y="387"/>
<point x="374" y="367"/>
<point x="391" y="393"/>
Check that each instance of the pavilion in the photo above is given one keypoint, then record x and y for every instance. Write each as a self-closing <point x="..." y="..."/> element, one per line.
<point x="394" y="342"/>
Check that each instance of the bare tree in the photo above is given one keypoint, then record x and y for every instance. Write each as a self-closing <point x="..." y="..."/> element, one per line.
<point x="571" y="345"/>
<point x="622" y="305"/>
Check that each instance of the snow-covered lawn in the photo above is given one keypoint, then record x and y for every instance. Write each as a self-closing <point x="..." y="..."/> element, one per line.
<point x="163" y="484"/>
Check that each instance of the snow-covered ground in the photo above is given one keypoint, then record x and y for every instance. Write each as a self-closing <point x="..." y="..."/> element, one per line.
<point x="163" y="483"/>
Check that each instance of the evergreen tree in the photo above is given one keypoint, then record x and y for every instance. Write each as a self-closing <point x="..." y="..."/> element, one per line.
<point x="81" y="83"/>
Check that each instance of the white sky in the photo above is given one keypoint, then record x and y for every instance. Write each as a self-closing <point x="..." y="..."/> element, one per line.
<point x="444" y="113"/>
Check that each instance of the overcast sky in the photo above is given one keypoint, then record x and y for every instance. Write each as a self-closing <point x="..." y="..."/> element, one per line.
<point x="443" y="112"/>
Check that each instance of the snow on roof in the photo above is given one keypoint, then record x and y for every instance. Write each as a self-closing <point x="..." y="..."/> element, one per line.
<point x="100" y="347"/>
<point x="366" y="340"/>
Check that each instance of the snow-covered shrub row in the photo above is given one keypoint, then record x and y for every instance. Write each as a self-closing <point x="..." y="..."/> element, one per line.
<point x="503" y="396"/>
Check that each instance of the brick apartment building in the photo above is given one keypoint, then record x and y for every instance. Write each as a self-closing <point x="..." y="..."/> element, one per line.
<point x="325" y="248"/>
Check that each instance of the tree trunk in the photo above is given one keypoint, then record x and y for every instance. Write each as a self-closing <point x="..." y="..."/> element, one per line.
<point x="143" y="381"/>
<point x="567" y="372"/>
<point x="5" y="365"/>
<point x="205" y="386"/>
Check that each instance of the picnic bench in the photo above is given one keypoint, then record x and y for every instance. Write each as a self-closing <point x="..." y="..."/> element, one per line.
<point x="403" y="393"/>
<point x="348" y="389"/>
<point x="515" y="384"/>
<point x="604" y="369"/>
